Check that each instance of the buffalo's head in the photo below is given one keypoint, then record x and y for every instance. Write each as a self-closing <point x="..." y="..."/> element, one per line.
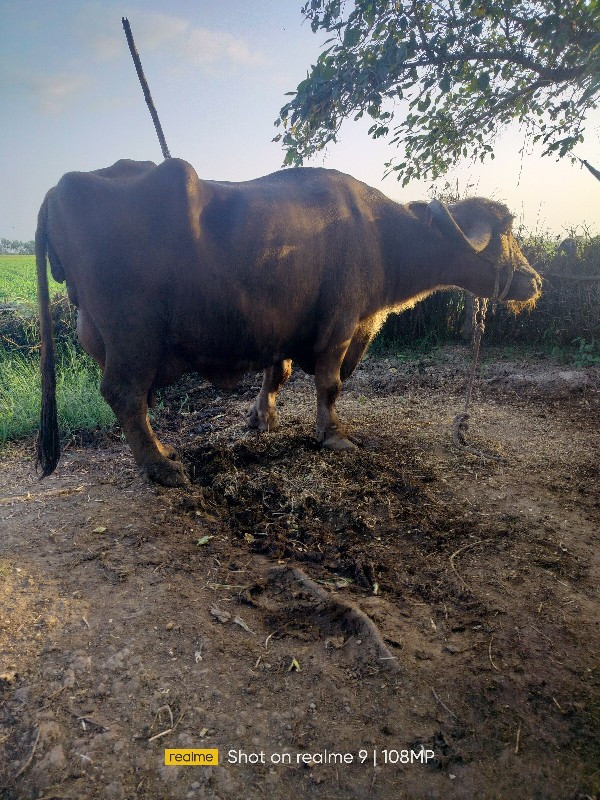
<point x="485" y="255"/>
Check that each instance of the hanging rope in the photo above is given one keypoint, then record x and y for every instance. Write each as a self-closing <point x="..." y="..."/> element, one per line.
<point x="145" y="88"/>
<point x="460" y="425"/>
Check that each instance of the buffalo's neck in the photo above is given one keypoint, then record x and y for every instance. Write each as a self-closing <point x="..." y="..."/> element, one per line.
<point x="415" y="261"/>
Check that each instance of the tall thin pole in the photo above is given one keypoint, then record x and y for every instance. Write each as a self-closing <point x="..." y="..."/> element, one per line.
<point x="145" y="88"/>
<point x="594" y="172"/>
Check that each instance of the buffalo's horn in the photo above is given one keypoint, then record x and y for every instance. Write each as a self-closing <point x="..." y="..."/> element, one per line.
<point x="478" y="236"/>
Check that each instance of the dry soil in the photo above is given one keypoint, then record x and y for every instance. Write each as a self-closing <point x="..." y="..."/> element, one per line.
<point x="407" y="620"/>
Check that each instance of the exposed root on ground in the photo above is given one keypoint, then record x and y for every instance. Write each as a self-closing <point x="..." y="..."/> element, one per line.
<point x="335" y="611"/>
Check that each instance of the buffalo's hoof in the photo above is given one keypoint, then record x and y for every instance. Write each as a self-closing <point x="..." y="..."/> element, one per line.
<point x="262" y="422"/>
<point x="167" y="473"/>
<point x="338" y="442"/>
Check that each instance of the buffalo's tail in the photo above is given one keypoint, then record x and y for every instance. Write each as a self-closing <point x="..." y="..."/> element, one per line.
<point x="48" y="443"/>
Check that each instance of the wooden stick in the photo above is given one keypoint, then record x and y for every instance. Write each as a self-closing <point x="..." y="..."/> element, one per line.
<point x="145" y="88"/>
<point x="22" y="498"/>
<point x="594" y="172"/>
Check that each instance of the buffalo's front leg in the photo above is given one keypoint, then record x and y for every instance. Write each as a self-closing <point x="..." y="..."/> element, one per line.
<point x="328" y="384"/>
<point x="262" y="413"/>
<point x="128" y="398"/>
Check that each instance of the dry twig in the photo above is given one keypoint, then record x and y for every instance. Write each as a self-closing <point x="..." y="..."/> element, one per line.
<point x="345" y="612"/>
<point x="30" y="757"/>
<point x="462" y="550"/>
<point x="23" y="498"/>
<point x="518" y="740"/>
<point x="441" y="702"/>
<point x="490" y="656"/>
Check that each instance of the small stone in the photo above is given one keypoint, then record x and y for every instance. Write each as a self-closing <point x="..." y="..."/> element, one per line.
<point x="54" y="760"/>
<point x="69" y="679"/>
<point x="81" y="663"/>
<point x="49" y="731"/>
<point x="114" y="791"/>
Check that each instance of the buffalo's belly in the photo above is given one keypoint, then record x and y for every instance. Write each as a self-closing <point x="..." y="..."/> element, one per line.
<point x="224" y="353"/>
<point x="225" y="372"/>
<point x="224" y="377"/>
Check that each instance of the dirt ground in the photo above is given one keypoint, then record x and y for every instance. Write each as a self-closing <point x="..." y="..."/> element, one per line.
<point x="406" y="620"/>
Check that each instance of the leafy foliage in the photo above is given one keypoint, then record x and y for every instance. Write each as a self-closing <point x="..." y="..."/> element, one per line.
<point x="453" y="72"/>
<point x="80" y="404"/>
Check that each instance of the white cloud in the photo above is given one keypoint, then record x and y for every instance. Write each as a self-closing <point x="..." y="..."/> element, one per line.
<point x="52" y="92"/>
<point x="107" y="47"/>
<point x="202" y="46"/>
<point x="157" y="32"/>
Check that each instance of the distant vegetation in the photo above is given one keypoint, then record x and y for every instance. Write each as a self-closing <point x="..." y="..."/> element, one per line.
<point x="12" y="247"/>
<point x="18" y="282"/>
<point x="565" y="325"/>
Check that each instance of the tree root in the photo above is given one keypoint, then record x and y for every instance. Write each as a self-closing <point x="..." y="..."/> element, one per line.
<point x="340" y="612"/>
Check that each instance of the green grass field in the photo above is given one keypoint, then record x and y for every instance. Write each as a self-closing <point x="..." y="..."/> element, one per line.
<point x="18" y="280"/>
<point x="80" y="405"/>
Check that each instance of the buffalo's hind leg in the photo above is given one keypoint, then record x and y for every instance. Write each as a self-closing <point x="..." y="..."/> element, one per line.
<point x="89" y="336"/>
<point x="126" y="391"/>
<point x="262" y="413"/>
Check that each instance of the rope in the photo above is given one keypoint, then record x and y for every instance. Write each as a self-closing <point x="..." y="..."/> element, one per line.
<point x="145" y="88"/>
<point x="460" y="425"/>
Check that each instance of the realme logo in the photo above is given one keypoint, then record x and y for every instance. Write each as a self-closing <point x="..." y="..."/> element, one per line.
<point x="191" y="758"/>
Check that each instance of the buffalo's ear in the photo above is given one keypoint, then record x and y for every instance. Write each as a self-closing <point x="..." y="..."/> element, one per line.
<point x="475" y="235"/>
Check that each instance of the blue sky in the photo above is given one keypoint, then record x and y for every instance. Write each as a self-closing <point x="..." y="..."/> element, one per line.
<point x="218" y="73"/>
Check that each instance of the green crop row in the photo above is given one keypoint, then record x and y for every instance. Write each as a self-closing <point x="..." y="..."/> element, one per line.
<point x="18" y="280"/>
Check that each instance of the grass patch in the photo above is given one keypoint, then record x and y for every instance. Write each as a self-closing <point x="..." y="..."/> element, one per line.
<point x="80" y="404"/>
<point x="18" y="281"/>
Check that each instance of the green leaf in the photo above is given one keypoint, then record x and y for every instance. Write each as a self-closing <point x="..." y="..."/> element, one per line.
<point x="303" y="86"/>
<point x="445" y="83"/>
<point x="417" y="52"/>
<point x="483" y="81"/>
<point x="352" y="37"/>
